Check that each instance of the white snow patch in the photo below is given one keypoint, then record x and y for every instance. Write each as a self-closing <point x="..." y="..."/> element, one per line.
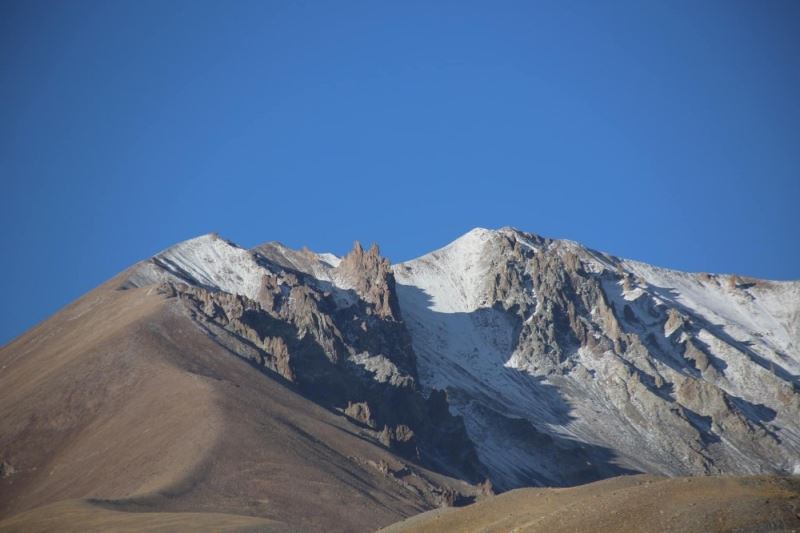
<point x="330" y="259"/>
<point x="452" y="276"/>
<point x="213" y="262"/>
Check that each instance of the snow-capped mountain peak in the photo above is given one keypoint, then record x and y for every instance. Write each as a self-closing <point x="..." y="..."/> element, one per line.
<point x="564" y="364"/>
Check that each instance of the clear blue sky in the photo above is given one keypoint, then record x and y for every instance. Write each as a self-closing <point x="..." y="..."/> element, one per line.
<point x="662" y="131"/>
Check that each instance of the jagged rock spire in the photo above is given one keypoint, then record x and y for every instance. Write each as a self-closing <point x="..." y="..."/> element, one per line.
<point x="370" y="275"/>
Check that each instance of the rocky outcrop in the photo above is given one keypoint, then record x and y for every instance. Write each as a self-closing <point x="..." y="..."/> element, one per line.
<point x="6" y="470"/>
<point x="344" y="346"/>
<point x="621" y="355"/>
<point x="360" y="412"/>
<point x="371" y="277"/>
<point x="515" y="357"/>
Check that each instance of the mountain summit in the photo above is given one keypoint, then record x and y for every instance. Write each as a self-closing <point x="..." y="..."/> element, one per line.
<point x="282" y="384"/>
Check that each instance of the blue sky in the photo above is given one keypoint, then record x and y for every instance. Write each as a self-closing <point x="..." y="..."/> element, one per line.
<point x="662" y="131"/>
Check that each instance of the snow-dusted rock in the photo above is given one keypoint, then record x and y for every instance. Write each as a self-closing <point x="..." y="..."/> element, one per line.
<point x="562" y="364"/>
<point x="639" y="367"/>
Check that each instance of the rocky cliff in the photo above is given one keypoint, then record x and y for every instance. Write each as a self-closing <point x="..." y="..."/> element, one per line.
<point x="513" y="357"/>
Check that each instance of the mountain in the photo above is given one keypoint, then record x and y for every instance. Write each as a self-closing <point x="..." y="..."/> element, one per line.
<point x="570" y="365"/>
<point x="277" y="388"/>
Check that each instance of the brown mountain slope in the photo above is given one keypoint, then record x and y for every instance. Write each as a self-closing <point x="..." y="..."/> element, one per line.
<point x="630" y="503"/>
<point x="123" y="398"/>
<point x="79" y="515"/>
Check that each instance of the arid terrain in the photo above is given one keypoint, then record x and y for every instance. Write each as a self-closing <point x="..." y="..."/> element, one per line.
<point x="82" y="515"/>
<point x="217" y="388"/>
<point x="121" y="399"/>
<point x="629" y="503"/>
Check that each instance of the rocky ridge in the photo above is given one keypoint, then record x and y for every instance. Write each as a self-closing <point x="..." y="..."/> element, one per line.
<point x="636" y="367"/>
<point x="340" y="344"/>
<point x="513" y="357"/>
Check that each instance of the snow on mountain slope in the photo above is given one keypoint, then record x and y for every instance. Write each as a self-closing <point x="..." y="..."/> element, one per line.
<point x="768" y="309"/>
<point x="463" y="345"/>
<point x="453" y="276"/>
<point x="591" y="367"/>
<point x="566" y="364"/>
<point x="209" y="261"/>
<point x="319" y="266"/>
<point x="215" y="263"/>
